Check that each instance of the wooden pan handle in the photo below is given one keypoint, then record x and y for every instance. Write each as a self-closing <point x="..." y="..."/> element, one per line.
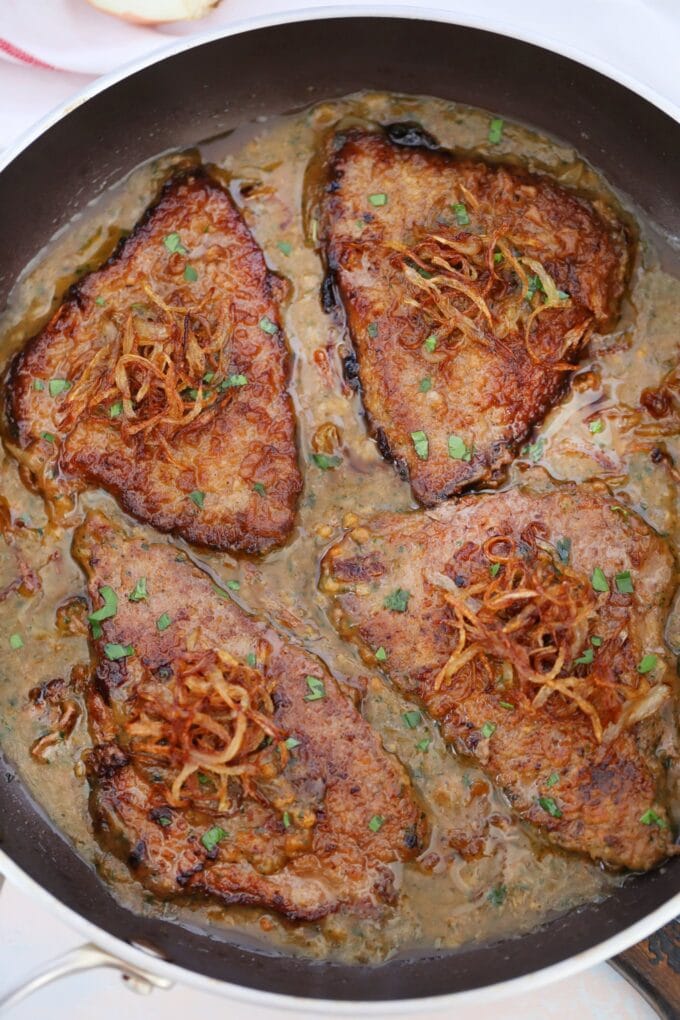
<point x="653" y="967"/>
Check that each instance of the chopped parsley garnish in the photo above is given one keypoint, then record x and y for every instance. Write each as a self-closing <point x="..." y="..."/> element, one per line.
<point x="534" y="285"/>
<point x="458" y="449"/>
<point x="586" y="658"/>
<point x="652" y="818"/>
<point x="563" y="295"/>
<point x="507" y="705"/>
<point x="376" y="823"/>
<point x="462" y="218"/>
<point x="292" y="743"/>
<point x="372" y="329"/>
<point x="16" y="642"/>
<point x="497" y="895"/>
<point x="198" y="498"/>
<point x="563" y="547"/>
<point x="430" y="344"/>
<point x="421" y="444"/>
<point x="285" y="247"/>
<point x="208" y="377"/>
<point x="381" y="654"/>
<point x="163" y="622"/>
<point x="595" y="640"/>
<point x="234" y="380"/>
<point x="325" y="461"/>
<point x="495" y="130"/>
<point x="57" y="386"/>
<point x="398" y="600"/>
<point x="552" y="780"/>
<point x="494" y="569"/>
<point x="190" y="274"/>
<point x="38" y="385"/>
<point x="497" y="257"/>
<point x="116" y="409"/>
<point x="259" y="488"/>
<point x="286" y="820"/>
<point x="110" y="607"/>
<point x="598" y="580"/>
<point x="267" y="326"/>
<point x="234" y="585"/>
<point x="378" y="199"/>
<point x="317" y="688"/>
<point x="212" y="837"/>
<point x="549" y="805"/>
<point x="647" y="663"/>
<point x="424" y="744"/>
<point x="488" y="730"/>
<point x="49" y="437"/>
<point x="425" y="384"/>
<point x="100" y="301"/>
<point x="251" y="659"/>
<point x="620" y="510"/>
<point x="534" y="451"/>
<point x="116" y="651"/>
<point x="139" y="592"/>
<point x="624" y="583"/>
<point x="412" y="719"/>
<point x="596" y="426"/>
<point x="174" y="244"/>
<point x="96" y="630"/>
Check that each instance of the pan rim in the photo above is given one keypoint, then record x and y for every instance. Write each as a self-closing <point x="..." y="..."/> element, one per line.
<point x="571" y="965"/>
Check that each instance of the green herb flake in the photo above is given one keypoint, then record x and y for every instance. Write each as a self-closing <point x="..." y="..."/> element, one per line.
<point x="535" y="285"/>
<point x="284" y="247"/>
<point x="424" y="744"/>
<point x="316" y="687"/>
<point x="552" y="780"/>
<point x="326" y="462"/>
<point x="251" y="659"/>
<point x="267" y="326"/>
<point x="586" y="658"/>
<point x="190" y="274"/>
<point x="425" y="385"/>
<point x="563" y="547"/>
<point x="208" y="377"/>
<point x="534" y="451"/>
<point x="49" y="437"/>
<point x="110" y="607"/>
<point x="139" y="593"/>
<point x="16" y="642"/>
<point x="412" y="719"/>
<point x="100" y="301"/>
<point x="462" y="218"/>
<point x="507" y="705"/>
<point x="286" y="820"/>
<point x="495" y="130"/>
<point x="163" y="622"/>
<point x="595" y="640"/>
<point x="563" y="295"/>
<point x="212" y="837"/>
<point x="596" y="426"/>
<point x="421" y="444"/>
<point x="116" y="409"/>
<point x="96" y="630"/>
<point x="381" y="654"/>
<point x="376" y="823"/>
<point x="497" y="257"/>
<point x="174" y="244"/>
<point x="549" y="805"/>
<point x="292" y="743"/>
<point x="624" y="583"/>
<point x="113" y="652"/>
<point x="647" y="663"/>
<point x="494" y="569"/>
<point x="57" y="386"/>
<point x="372" y="330"/>
<point x="397" y="601"/>
<point x="430" y="344"/>
<point x="378" y="199"/>
<point x="38" y="385"/>
<point x="624" y="511"/>
<point x="259" y="488"/>
<point x="598" y="580"/>
<point x="458" y="449"/>
<point x="198" y="498"/>
<point x="234" y="585"/>
<point x="652" y="818"/>
<point x="497" y="895"/>
<point x="236" y="380"/>
<point x="488" y="730"/>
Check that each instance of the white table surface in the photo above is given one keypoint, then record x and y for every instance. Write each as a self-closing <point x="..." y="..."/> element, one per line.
<point x="639" y="36"/>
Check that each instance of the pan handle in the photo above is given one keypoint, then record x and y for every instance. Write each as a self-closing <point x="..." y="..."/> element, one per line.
<point x="653" y="968"/>
<point x="86" y="957"/>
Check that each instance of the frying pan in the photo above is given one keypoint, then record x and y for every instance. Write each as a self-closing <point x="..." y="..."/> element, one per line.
<point x="200" y="90"/>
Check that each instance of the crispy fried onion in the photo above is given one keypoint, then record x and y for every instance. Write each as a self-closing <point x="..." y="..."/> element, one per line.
<point x="208" y="727"/>
<point x="477" y="288"/>
<point x="153" y="363"/>
<point x="534" y="618"/>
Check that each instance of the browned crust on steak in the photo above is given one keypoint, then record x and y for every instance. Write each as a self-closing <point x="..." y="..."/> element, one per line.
<point x="601" y="790"/>
<point x="243" y="435"/>
<point x="339" y="771"/>
<point x="487" y="389"/>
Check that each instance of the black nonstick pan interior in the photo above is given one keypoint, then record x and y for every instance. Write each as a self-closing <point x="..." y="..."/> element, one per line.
<point x="204" y="92"/>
